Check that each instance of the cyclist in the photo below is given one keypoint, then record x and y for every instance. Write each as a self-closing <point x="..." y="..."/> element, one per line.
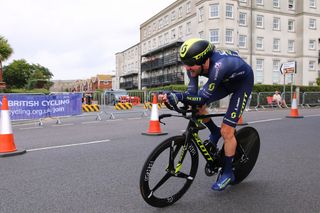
<point x="227" y="74"/>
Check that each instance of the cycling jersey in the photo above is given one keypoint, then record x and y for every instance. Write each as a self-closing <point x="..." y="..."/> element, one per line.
<point x="227" y="74"/>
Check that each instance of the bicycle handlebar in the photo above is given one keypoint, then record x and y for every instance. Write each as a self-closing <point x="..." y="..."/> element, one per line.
<point x="183" y="110"/>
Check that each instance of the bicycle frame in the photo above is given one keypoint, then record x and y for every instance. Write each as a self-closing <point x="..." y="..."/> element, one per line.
<point x="192" y="136"/>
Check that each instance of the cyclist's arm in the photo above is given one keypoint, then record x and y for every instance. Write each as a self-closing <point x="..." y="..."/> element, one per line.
<point x="193" y="85"/>
<point x="214" y="79"/>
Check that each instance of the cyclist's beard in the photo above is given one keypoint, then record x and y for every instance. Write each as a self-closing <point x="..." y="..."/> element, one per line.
<point x="202" y="69"/>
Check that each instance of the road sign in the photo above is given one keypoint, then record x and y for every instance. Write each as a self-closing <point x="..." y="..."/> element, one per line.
<point x="288" y="67"/>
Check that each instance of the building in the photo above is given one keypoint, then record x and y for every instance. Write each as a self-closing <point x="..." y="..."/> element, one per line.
<point x="266" y="33"/>
<point x="99" y="82"/>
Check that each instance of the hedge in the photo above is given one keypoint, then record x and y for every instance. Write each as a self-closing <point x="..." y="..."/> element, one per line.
<point x="256" y="88"/>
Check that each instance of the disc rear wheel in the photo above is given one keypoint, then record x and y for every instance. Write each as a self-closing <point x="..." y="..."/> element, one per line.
<point x="248" y="147"/>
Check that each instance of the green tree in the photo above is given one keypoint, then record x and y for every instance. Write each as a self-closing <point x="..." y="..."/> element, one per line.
<point x="5" y="53"/>
<point x="17" y="74"/>
<point x="318" y="81"/>
<point x="40" y="72"/>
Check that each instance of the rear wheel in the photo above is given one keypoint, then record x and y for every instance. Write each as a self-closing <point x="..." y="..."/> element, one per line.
<point x="163" y="180"/>
<point x="248" y="147"/>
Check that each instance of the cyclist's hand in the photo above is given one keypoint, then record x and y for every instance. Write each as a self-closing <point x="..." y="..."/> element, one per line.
<point x="174" y="98"/>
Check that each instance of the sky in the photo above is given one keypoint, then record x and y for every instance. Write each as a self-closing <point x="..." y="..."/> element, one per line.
<point x="74" y="39"/>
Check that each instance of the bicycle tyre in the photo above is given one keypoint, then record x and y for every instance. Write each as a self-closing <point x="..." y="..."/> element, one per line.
<point x="145" y="186"/>
<point x="249" y="141"/>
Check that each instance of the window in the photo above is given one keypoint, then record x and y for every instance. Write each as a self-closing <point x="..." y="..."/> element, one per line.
<point x="166" y="20"/>
<point x="244" y="1"/>
<point x="259" y="21"/>
<point x="160" y="40"/>
<point x="188" y="28"/>
<point x="173" y="15"/>
<point x="291" y="25"/>
<point x="166" y="38"/>
<point x="229" y="11"/>
<point x="259" y="2"/>
<point x="276" y="3"/>
<point x="188" y="7"/>
<point x="259" y="70"/>
<point x="242" y="19"/>
<point x="276" y="44"/>
<point x="180" y="12"/>
<point x="312" y="24"/>
<point x="160" y="24"/>
<point x="291" y="46"/>
<point x="312" y="65"/>
<point x="276" y="71"/>
<point x="276" y="23"/>
<point x="214" y="36"/>
<point x="200" y="14"/>
<point x="259" y="43"/>
<point x="214" y="10"/>
<point x="242" y="41"/>
<point x="180" y="32"/>
<point x="312" y="44"/>
<point x="201" y="34"/>
<point x="229" y="36"/>
<point x="173" y="34"/>
<point x="292" y="5"/>
<point x="312" y="3"/>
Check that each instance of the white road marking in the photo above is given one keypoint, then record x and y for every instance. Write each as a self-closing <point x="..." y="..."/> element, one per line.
<point x="34" y="127"/>
<point x="90" y="122"/>
<point x="62" y="125"/>
<point x="68" y="145"/>
<point x="134" y="118"/>
<point x="266" y="120"/>
<point x="307" y="116"/>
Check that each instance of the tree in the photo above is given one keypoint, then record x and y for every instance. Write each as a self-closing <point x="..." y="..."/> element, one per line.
<point x="318" y="81"/>
<point x="40" y="72"/>
<point x="17" y="74"/>
<point x="5" y="53"/>
<point x="20" y="74"/>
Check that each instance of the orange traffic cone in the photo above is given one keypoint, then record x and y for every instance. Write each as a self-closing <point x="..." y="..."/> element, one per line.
<point x="241" y="122"/>
<point x="7" y="146"/>
<point x="294" y="108"/>
<point x="154" y="125"/>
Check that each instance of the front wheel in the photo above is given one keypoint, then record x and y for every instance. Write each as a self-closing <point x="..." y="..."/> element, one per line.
<point x="248" y="147"/>
<point x="168" y="172"/>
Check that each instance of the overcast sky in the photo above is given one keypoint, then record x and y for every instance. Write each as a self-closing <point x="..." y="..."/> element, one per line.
<point x="75" y="39"/>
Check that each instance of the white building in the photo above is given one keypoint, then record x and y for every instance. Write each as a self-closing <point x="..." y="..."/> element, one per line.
<point x="266" y="33"/>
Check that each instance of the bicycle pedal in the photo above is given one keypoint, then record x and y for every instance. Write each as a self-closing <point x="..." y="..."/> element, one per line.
<point x="209" y="171"/>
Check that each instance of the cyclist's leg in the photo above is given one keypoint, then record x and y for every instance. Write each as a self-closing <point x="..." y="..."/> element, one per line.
<point x="214" y="129"/>
<point x="236" y="107"/>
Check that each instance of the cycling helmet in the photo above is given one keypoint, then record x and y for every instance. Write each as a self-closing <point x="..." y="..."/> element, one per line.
<point x="195" y="51"/>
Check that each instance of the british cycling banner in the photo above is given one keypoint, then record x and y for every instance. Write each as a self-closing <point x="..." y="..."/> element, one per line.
<point x="25" y="107"/>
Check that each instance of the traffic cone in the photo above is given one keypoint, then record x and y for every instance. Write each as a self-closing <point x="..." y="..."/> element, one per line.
<point x="7" y="146"/>
<point x="241" y="122"/>
<point x="294" y="109"/>
<point x="154" y="125"/>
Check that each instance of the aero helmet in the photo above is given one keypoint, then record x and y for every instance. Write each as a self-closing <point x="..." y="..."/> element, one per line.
<point x="195" y="51"/>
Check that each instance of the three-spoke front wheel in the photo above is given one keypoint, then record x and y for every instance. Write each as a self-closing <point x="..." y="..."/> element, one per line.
<point x="168" y="172"/>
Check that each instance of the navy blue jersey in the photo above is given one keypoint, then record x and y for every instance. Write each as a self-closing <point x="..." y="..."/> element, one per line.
<point x="227" y="74"/>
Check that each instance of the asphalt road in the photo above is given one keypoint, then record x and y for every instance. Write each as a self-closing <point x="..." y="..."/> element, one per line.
<point x="88" y="166"/>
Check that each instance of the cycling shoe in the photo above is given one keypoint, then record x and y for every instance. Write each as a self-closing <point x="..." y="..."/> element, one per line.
<point x="223" y="181"/>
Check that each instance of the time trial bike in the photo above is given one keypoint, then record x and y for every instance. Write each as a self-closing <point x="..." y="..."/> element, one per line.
<point x="171" y="167"/>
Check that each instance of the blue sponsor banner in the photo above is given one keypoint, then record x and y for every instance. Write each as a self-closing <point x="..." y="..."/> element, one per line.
<point x="25" y="107"/>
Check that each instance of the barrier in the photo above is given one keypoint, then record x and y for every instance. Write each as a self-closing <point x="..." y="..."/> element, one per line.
<point x="90" y="108"/>
<point x="148" y="105"/>
<point x="123" y="106"/>
<point x="36" y="106"/>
